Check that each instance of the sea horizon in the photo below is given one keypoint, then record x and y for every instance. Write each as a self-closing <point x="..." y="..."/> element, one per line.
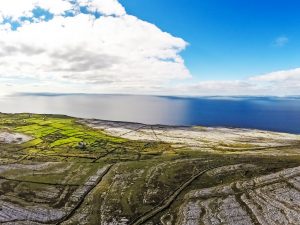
<point x="270" y="113"/>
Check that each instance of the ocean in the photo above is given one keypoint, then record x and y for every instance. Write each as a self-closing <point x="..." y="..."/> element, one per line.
<point x="267" y="113"/>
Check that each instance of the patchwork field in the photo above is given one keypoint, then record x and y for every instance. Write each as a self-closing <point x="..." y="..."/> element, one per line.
<point x="63" y="170"/>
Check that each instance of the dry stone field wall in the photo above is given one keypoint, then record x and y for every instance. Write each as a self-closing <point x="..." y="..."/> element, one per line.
<point x="269" y="199"/>
<point x="63" y="170"/>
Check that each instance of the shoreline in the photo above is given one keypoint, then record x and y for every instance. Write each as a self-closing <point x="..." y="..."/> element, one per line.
<point x="154" y="125"/>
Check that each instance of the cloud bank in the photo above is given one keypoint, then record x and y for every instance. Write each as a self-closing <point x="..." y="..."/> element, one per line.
<point x="280" y="83"/>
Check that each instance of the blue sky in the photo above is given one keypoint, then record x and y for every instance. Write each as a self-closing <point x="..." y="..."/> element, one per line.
<point x="229" y="39"/>
<point x="157" y="47"/>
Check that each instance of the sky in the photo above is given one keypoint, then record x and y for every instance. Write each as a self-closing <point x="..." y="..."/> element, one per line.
<point x="209" y="47"/>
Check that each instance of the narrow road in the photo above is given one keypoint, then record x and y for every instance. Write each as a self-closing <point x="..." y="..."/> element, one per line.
<point x="166" y="203"/>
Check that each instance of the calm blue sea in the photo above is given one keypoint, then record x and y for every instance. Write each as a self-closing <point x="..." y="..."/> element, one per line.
<point x="267" y="113"/>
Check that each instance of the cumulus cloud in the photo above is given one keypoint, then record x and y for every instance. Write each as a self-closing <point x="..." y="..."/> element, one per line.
<point x="15" y="9"/>
<point x="105" y="7"/>
<point x="88" y="42"/>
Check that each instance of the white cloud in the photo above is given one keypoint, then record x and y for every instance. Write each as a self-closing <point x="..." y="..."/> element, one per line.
<point x="56" y="7"/>
<point x="284" y="82"/>
<point x="281" y="41"/>
<point x="105" y="7"/>
<point x="280" y="83"/>
<point x="280" y="76"/>
<point x="15" y="9"/>
<point x="114" y="51"/>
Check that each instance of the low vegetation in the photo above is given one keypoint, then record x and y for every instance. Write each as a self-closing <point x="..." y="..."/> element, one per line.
<point x="63" y="170"/>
